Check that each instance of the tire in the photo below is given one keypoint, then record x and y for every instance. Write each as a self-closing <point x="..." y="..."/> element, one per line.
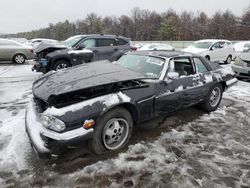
<point x="207" y="57"/>
<point x="110" y="136"/>
<point x="213" y="98"/>
<point x="62" y="64"/>
<point x="19" y="59"/>
<point x="229" y="59"/>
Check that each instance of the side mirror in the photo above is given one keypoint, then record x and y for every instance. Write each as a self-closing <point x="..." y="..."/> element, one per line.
<point x="173" y="75"/>
<point x="212" y="48"/>
<point x="80" y="47"/>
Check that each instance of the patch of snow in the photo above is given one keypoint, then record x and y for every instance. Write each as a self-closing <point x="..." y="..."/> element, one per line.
<point x="180" y="88"/>
<point x="208" y="78"/>
<point x="79" y="51"/>
<point x="107" y="100"/>
<point x="211" y="151"/>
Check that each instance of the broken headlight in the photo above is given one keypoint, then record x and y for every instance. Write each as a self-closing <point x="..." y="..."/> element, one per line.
<point x="52" y="123"/>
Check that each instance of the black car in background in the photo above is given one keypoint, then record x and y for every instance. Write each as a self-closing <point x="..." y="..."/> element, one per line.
<point x="80" y="49"/>
<point x="101" y="102"/>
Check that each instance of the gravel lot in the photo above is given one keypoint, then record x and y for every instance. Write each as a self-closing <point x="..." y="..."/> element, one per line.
<point x="188" y="149"/>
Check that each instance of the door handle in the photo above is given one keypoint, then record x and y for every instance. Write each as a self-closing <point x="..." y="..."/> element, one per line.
<point x="95" y="51"/>
<point x="116" y="49"/>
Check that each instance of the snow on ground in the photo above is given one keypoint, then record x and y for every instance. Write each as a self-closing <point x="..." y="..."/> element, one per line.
<point x="213" y="150"/>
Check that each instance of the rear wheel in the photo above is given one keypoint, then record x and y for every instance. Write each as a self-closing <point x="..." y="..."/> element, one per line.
<point x="207" y="57"/>
<point x="112" y="132"/>
<point x="213" y="98"/>
<point x="229" y="59"/>
<point x="62" y="64"/>
<point x="19" y="59"/>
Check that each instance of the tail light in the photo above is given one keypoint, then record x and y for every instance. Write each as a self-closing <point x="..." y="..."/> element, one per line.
<point x="133" y="48"/>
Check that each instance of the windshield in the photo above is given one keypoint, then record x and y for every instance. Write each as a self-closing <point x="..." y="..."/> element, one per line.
<point x="247" y="45"/>
<point x="150" y="67"/>
<point x="203" y="45"/>
<point x="71" y="41"/>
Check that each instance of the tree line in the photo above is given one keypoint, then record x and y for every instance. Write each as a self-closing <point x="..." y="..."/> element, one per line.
<point x="145" y="25"/>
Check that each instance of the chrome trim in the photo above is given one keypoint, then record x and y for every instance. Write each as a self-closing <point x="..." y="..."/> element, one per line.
<point x="165" y="68"/>
<point x="143" y="100"/>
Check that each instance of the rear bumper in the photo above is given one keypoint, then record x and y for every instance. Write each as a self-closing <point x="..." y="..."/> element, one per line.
<point x="40" y="136"/>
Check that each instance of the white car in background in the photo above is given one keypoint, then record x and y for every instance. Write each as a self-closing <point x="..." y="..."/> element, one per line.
<point x="241" y="47"/>
<point x="212" y="49"/>
<point x="156" y="46"/>
<point x="36" y="42"/>
<point x="241" y="65"/>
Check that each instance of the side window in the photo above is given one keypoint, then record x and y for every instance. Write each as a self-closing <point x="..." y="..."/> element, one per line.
<point x="222" y="44"/>
<point x="216" y="45"/>
<point x="89" y="43"/>
<point x="200" y="67"/>
<point x="106" y="42"/>
<point x="121" y="41"/>
<point x="182" y="65"/>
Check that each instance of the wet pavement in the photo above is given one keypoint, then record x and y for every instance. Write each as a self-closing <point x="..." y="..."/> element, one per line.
<point x="187" y="149"/>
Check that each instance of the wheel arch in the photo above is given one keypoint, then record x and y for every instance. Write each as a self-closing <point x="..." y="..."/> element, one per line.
<point x="59" y="59"/>
<point x="224" y="85"/>
<point x="131" y="108"/>
<point x="208" y="57"/>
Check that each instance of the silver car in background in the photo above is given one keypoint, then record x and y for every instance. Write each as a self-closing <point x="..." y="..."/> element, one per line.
<point x="16" y="52"/>
<point x="241" y="65"/>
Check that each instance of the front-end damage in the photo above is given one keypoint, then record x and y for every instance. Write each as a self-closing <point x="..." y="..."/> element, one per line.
<point x="44" y="140"/>
<point x="85" y="105"/>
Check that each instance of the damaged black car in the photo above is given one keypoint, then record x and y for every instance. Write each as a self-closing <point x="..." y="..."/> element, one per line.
<point x="79" y="49"/>
<point x="101" y="102"/>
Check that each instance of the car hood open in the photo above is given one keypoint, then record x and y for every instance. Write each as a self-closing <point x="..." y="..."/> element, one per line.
<point x="81" y="77"/>
<point x="43" y="46"/>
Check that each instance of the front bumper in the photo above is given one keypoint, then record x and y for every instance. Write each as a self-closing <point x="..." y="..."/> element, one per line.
<point x="241" y="72"/>
<point x="39" y="135"/>
<point x="41" y="66"/>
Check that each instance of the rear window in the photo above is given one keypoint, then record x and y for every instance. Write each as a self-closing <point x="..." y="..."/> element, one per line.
<point x="106" y="42"/>
<point x="200" y="67"/>
<point x="9" y="43"/>
<point x="210" y="65"/>
<point x="122" y="42"/>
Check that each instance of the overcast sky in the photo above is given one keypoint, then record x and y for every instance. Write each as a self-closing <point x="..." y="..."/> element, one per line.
<point x="26" y="15"/>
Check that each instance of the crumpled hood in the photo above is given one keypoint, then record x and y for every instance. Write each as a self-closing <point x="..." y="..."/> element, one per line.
<point x="81" y="77"/>
<point x="194" y="50"/>
<point x="44" y="46"/>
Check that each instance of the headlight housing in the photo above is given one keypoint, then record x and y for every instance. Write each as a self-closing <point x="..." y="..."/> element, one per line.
<point x="52" y="123"/>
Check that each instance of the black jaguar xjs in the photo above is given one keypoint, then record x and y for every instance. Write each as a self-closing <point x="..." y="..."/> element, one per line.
<point x="101" y="102"/>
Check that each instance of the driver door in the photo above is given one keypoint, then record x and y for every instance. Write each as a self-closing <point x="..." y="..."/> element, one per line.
<point x="177" y="91"/>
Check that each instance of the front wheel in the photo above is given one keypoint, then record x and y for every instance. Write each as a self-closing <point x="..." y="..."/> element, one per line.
<point x="229" y="59"/>
<point x="59" y="65"/>
<point x="213" y="98"/>
<point x="112" y="131"/>
<point x="19" y="59"/>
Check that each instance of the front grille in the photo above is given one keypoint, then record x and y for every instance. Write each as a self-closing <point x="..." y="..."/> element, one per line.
<point x="41" y="106"/>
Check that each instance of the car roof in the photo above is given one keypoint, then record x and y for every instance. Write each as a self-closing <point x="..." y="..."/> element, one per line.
<point x="213" y="40"/>
<point x="164" y="53"/>
<point x="102" y="36"/>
